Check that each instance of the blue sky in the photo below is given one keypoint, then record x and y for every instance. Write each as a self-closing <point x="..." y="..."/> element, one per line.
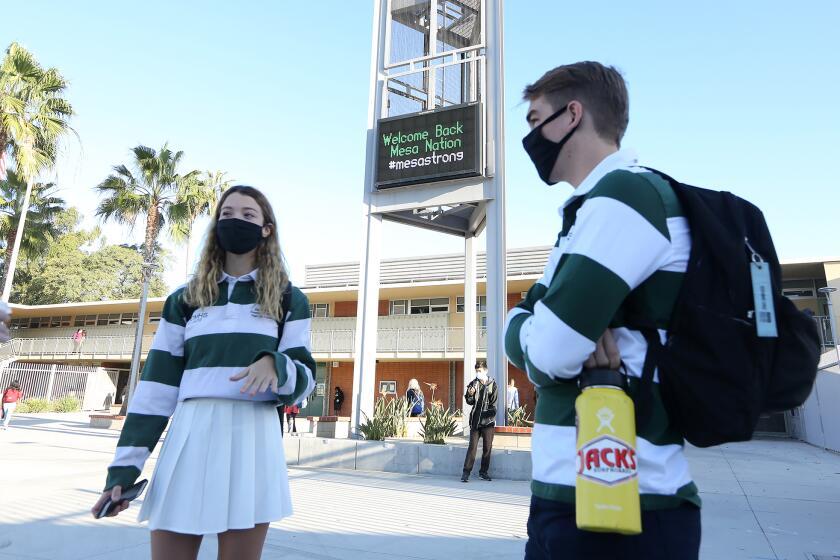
<point x="741" y="96"/>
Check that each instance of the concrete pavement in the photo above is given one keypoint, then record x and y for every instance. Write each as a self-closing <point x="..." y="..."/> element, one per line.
<point x="770" y="499"/>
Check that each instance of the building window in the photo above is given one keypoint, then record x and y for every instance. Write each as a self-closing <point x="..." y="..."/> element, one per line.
<point x="796" y="289"/>
<point x="387" y="387"/>
<point x="154" y="316"/>
<point x="482" y="321"/>
<point x="319" y="309"/>
<point x="84" y="321"/>
<point x="128" y="318"/>
<point x="429" y="305"/>
<point x="398" y="307"/>
<point x="480" y="304"/>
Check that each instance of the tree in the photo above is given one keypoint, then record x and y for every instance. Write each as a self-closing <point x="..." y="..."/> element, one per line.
<point x="198" y="196"/>
<point x="44" y="208"/>
<point x="34" y="116"/>
<point x="71" y="272"/>
<point x="151" y="191"/>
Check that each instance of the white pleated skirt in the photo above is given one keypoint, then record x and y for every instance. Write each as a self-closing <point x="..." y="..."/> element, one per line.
<point x="221" y="467"/>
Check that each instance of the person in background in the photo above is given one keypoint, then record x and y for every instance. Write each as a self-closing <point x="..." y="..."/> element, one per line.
<point x="291" y="415"/>
<point x="512" y="396"/>
<point x="481" y="394"/>
<point x="78" y="338"/>
<point x="11" y="396"/>
<point x="338" y="400"/>
<point x="414" y="396"/>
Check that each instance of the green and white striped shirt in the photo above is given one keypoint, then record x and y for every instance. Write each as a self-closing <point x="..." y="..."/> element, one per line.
<point x="622" y="253"/>
<point x="195" y="357"/>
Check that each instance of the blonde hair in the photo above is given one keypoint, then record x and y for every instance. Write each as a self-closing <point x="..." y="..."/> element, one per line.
<point x="272" y="277"/>
<point x="413" y="384"/>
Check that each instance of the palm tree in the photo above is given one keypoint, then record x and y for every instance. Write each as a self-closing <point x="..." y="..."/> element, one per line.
<point x="44" y="208"/>
<point x="33" y="119"/>
<point x="198" y="197"/>
<point x="150" y="191"/>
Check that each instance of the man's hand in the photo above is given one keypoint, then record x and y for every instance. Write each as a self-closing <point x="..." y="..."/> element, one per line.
<point x="606" y="353"/>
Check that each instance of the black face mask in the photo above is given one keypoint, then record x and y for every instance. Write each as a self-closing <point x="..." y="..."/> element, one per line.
<point x="544" y="152"/>
<point x="238" y="236"/>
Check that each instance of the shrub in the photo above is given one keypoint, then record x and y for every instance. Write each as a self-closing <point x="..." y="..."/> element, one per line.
<point x="67" y="404"/>
<point x="438" y="424"/>
<point x="33" y="406"/>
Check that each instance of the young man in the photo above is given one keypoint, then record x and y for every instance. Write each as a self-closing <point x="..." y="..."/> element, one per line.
<point x="481" y="394"/>
<point x="621" y="255"/>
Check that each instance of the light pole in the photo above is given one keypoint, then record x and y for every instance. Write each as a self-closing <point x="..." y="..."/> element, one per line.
<point x="828" y="291"/>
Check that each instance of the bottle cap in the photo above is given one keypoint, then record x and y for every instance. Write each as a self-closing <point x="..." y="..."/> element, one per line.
<point x="602" y="377"/>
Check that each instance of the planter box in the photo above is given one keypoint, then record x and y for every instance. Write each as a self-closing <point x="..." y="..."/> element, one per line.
<point x="408" y="457"/>
<point x="510" y="437"/>
<point x="107" y="421"/>
<point x="337" y="427"/>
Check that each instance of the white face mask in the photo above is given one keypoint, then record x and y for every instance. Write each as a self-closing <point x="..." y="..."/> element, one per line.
<point x="482" y="375"/>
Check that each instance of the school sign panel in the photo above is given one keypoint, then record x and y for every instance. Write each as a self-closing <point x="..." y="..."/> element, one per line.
<point x="430" y="146"/>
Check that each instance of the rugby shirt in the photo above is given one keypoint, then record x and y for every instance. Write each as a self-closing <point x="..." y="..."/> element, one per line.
<point x="195" y="358"/>
<point x="622" y="252"/>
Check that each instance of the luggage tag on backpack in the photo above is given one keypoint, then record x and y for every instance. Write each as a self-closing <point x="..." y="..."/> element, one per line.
<point x="765" y="312"/>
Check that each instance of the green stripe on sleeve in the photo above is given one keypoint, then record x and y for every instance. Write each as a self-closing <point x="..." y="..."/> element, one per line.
<point x="142" y="430"/>
<point x="163" y="367"/>
<point x="585" y="295"/>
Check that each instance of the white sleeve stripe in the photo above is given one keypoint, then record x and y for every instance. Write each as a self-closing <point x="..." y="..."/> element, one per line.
<point x="131" y="457"/>
<point x="552" y="346"/>
<point x="169" y="338"/>
<point x="513" y="313"/>
<point x="153" y="398"/>
<point x="650" y="248"/>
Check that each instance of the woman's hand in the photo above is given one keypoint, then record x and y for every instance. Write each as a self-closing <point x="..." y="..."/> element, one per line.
<point x="114" y="494"/>
<point x="259" y="376"/>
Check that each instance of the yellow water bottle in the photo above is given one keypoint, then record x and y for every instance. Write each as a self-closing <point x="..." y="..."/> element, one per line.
<point x="607" y="486"/>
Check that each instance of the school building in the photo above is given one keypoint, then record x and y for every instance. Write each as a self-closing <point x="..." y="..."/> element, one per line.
<point x="420" y="331"/>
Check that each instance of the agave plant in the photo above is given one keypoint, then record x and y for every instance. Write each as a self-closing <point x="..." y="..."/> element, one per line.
<point x="438" y="424"/>
<point x="519" y="418"/>
<point x="388" y="419"/>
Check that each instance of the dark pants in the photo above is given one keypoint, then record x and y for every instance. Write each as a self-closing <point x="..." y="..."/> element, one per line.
<point x="486" y="434"/>
<point x="668" y="534"/>
<point x="280" y="414"/>
<point x="290" y="421"/>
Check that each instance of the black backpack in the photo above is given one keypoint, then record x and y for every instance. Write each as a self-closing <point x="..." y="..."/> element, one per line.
<point x="716" y="375"/>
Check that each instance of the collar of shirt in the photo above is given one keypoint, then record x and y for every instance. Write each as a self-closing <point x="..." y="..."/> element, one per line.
<point x="252" y="276"/>
<point x="618" y="160"/>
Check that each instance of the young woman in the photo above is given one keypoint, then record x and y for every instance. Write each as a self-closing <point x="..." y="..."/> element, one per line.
<point x="217" y="364"/>
<point x="414" y="395"/>
<point x="11" y="396"/>
<point x="291" y="416"/>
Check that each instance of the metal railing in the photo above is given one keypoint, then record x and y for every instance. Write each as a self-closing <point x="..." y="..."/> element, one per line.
<point x="413" y="341"/>
<point x="93" y="348"/>
<point x="824" y="328"/>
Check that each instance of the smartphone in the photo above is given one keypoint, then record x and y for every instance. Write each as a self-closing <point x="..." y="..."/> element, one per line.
<point x="129" y="494"/>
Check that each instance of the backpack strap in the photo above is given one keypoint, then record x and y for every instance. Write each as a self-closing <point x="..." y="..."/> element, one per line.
<point x="285" y="306"/>
<point x="644" y="395"/>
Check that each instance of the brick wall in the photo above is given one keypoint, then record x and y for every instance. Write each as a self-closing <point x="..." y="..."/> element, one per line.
<point x="349" y="308"/>
<point x="341" y="376"/>
<point x="424" y="372"/>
